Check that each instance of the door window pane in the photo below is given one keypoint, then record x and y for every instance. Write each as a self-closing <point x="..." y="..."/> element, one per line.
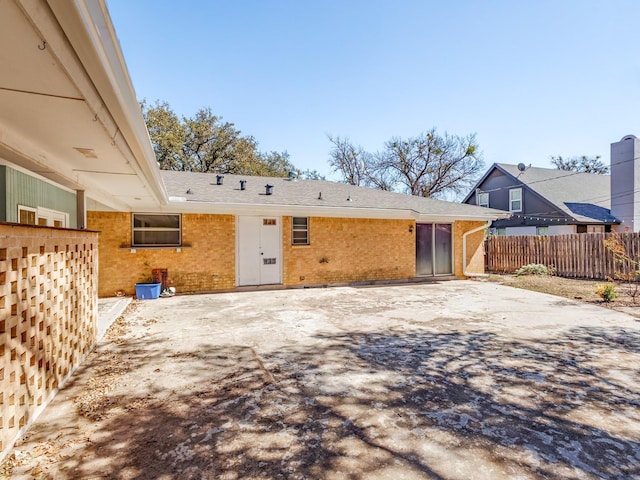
<point x="26" y="216"/>
<point x="424" y="249"/>
<point x="443" y="251"/>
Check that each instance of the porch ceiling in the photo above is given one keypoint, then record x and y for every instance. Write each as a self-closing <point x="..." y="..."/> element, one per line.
<point x="55" y="122"/>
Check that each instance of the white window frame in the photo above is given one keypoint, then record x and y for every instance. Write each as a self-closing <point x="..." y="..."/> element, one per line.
<point x="135" y="229"/>
<point x="51" y="216"/>
<point x="299" y="228"/>
<point x="542" y="230"/>
<point x="47" y="215"/>
<point x="512" y="200"/>
<point x="483" y="199"/>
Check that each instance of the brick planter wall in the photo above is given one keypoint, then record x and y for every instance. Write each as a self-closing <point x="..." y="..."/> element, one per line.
<point x="48" y="314"/>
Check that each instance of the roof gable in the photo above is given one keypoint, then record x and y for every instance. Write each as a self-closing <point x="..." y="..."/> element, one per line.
<point x="584" y="197"/>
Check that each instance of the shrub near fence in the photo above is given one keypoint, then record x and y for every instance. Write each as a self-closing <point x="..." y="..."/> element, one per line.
<point x="580" y="255"/>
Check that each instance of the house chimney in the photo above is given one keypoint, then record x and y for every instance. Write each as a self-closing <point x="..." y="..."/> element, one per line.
<point x="625" y="182"/>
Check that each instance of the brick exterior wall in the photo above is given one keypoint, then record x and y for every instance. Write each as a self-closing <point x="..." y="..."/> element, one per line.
<point x="354" y="250"/>
<point x="207" y="264"/>
<point x="48" y="315"/>
<point x="475" y="248"/>
<point x="351" y="250"/>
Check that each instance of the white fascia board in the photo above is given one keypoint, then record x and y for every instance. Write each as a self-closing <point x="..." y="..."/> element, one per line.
<point x="427" y="218"/>
<point x="187" y="206"/>
<point x="287" y="210"/>
<point x="88" y="27"/>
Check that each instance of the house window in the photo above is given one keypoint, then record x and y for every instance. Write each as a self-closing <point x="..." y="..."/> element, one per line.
<point x="300" y="231"/>
<point x="515" y="200"/>
<point x="483" y="199"/>
<point x="595" y="228"/>
<point x="156" y="230"/>
<point x="501" y="231"/>
<point x="27" y="215"/>
<point x="542" y="230"/>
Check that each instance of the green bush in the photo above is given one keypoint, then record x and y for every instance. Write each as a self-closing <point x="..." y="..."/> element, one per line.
<point x="534" y="269"/>
<point x="607" y="291"/>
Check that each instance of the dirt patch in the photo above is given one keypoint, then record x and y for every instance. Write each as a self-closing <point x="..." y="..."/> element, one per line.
<point x="575" y="289"/>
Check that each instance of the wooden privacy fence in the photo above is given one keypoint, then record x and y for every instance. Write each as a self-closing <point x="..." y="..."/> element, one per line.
<point x="580" y="255"/>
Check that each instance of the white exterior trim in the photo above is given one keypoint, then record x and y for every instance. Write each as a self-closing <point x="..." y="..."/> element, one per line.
<point x="319" y="211"/>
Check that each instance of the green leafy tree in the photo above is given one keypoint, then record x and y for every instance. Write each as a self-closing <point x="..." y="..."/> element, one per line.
<point x="581" y="163"/>
<point x="428" y="165"/>
<point x="167" y="134"/>
<point x="206" y="143"/>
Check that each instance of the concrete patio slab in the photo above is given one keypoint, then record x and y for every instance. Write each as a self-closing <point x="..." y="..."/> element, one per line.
<point x="450" y="380"/>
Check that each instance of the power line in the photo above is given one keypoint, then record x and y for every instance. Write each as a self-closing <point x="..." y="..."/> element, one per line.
<point x="544" y="216"/>
<point x="542" y="180"/>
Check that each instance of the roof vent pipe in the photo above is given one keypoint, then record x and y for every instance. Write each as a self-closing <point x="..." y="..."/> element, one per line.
<point x="219" y="179"/>
<point x="293" y="176"/>
<point x="268" y="189"/>
<point x="243" y="184"/>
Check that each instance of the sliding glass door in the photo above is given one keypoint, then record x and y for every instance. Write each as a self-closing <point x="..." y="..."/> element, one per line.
<point x="434" y="249"/>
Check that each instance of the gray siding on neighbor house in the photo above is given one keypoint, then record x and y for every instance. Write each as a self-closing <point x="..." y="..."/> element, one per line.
<point x="22" y="189"/>
<point x="498" y="184"/>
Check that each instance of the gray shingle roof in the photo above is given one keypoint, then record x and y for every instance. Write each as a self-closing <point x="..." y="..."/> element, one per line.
<point x="188" y="190"/>
<point x="583" y="196"/>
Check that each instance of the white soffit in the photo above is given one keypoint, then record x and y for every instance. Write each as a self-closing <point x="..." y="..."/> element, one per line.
<point x="54" y="122"/>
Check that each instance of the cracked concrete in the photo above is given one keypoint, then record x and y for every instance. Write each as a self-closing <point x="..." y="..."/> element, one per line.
<point x="450" y="380"/>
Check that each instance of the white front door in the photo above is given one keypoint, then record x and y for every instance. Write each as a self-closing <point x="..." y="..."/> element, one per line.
<point x="259" y="250"/>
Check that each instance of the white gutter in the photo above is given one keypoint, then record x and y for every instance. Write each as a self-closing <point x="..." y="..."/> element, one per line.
<point x="464" y="252"/>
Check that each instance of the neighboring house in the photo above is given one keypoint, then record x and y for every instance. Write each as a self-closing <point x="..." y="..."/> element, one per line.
<point x="221" y="232"/>
<point x="29" y="199"/>
<point x="545" y="201"/>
